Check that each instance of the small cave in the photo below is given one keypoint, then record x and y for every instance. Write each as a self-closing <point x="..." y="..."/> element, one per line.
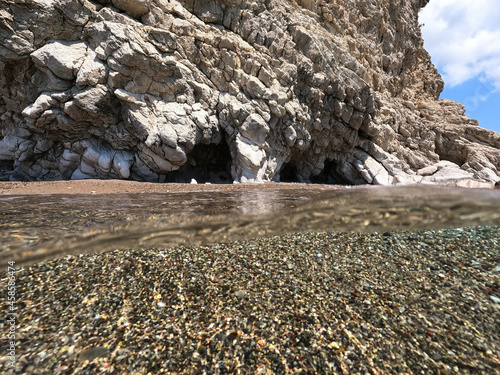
<point x="288" y="173"/>
<point x="329" y="175"/>
<point x="6" y="169"/>
<point x="206" y="163"/>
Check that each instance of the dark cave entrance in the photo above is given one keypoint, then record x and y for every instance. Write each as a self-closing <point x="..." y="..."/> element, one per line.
<point x="328" y="176"/>
<point x="288" y="173"/>
<point x="206" y="163"/>
<point x="6" y="169"/>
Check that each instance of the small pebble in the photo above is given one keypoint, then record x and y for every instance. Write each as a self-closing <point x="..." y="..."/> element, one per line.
<point x="241" y="294"/>
<point x="373" y="298"/>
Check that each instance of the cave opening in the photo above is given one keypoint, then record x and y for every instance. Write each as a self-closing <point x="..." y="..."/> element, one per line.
<point x="206" y="163"/>
<point x="6" y="169"/>
<point x="288" y="173"/>
<point x="329" y="175"/>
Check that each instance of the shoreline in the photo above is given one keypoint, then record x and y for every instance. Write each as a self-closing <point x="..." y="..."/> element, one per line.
<point x="116" y="186"/>
<point x="94" y="186"/>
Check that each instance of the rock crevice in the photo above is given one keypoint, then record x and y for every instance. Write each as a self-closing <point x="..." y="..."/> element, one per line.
<point x="312" y="90"/>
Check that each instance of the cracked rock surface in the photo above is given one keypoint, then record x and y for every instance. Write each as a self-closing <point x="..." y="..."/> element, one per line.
<point x="220" y="90"/>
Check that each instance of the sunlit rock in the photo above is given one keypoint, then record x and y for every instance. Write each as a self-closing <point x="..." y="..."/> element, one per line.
<point x="135" y="89"/>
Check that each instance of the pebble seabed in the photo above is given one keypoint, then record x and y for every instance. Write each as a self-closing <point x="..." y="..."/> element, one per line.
<point x="419" y="302"/>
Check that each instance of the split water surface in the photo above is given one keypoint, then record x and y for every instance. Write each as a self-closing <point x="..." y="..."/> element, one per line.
<point x="41" y="227"/>
<point x="284" y="279"/>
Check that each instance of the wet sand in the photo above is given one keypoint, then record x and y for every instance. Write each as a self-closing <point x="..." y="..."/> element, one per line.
<point x="121" y="186"/>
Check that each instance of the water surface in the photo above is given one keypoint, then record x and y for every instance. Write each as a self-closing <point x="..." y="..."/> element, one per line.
<point x="40" y="227"/>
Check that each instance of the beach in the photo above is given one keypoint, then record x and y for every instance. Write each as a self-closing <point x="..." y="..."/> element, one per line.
<point x="93" y="186"/>
<point x="386" y="302"/>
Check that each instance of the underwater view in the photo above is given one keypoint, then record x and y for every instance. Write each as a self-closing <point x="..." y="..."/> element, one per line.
<point x="279" y="278"/>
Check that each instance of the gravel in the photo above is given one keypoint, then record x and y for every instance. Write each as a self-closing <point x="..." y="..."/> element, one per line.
<point x="417" y="302"/>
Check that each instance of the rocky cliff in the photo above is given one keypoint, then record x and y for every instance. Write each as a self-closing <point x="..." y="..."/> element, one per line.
<point x="221" y="90"/>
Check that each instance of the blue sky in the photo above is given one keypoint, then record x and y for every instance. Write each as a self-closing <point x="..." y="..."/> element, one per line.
<point x="463" y="38"/>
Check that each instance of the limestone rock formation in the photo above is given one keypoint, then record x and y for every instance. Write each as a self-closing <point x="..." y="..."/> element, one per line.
<point x="223" y="90"/>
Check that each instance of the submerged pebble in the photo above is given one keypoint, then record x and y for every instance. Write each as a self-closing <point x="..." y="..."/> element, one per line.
<point x="373" y="304"/>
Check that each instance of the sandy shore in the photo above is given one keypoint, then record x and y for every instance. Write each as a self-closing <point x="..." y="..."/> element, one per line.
<point x="94" y="186"/>
<point x="122" y="186"/>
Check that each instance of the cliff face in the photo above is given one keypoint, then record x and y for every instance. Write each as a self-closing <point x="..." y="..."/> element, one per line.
<point x="220" y="90"/>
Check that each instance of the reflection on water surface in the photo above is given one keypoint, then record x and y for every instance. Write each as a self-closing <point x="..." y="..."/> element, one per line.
<point x="351" y="290"/>
<point x="39" y="227"/>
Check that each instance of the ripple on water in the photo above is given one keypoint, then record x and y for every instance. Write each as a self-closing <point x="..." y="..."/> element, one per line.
<point x="45" y="226"/>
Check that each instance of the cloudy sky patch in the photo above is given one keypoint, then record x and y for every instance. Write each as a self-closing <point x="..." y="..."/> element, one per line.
<point x="463" y="38"/>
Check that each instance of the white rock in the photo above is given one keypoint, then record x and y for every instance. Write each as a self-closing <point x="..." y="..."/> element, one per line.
<point x="250" y="154"/>
<point x="137" y="99"/>
<point x="41" y="104"/>
<point x="79" y="175"/>
<point x="70" y="156"/>
<point x="105" y="161"/>
<point x="450" y="172"/>
<point x="92" y="71"/>
<point x="290" y="135"/>
<point x="122" y="161"/>
<point x="62" y="58"/>
<point x="427" y="171"/>
<point x="200" y="117"/>
<point x="255" y="128"/>
<point x="91" y="155"/>
<point x="174" y="155"/>
<point x="156" y="162"/>
<point x="88" y="170"/>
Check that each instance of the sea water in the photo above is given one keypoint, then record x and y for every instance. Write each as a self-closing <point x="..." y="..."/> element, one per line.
<point x="370" y="280"/>
<point x="34" y="228"/>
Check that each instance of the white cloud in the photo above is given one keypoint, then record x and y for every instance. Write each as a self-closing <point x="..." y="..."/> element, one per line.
<point x="463" y="38"/>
